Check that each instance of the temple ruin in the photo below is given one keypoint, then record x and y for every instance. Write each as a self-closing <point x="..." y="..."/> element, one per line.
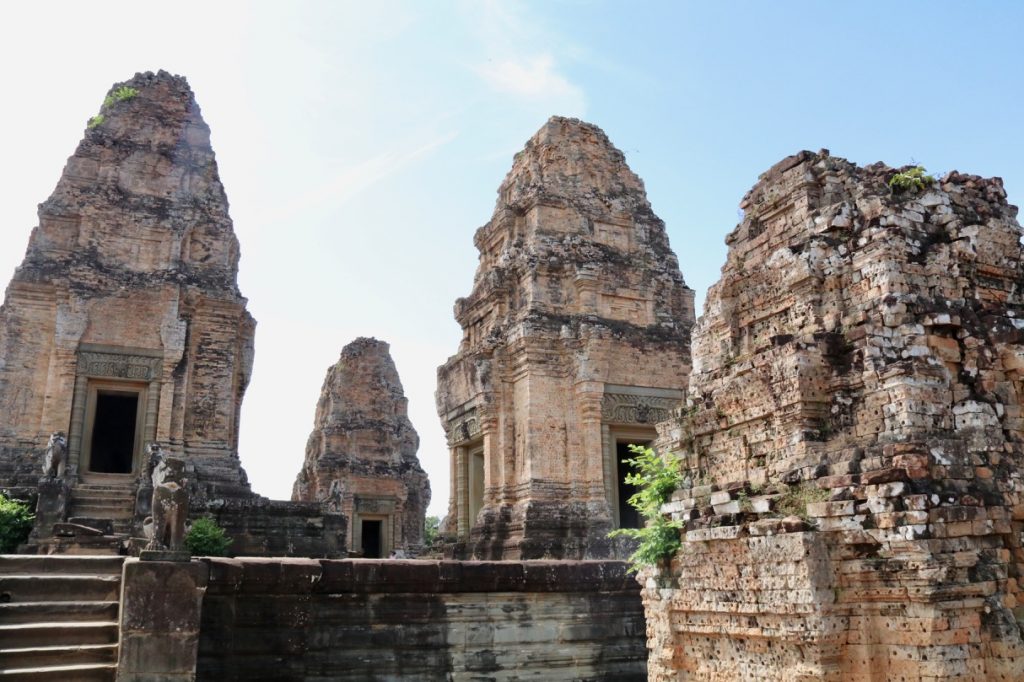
<point x="361" y="455"/>
<point x="852" y="438"/>
<point x="575" y="344"/>
<point x="124" y="327"/>
<point x="851" y="505"/>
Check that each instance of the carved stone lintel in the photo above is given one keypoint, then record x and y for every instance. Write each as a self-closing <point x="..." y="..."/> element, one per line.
<point x="623" y="408"/>
<point x="375" y="505"/>
<point x="119" y="365"/>
<point x="465" y="427"/>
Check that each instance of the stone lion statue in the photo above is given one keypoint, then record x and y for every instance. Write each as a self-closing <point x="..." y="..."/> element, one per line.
<point x="166" y="527"/>
<point x="56" y="455"/>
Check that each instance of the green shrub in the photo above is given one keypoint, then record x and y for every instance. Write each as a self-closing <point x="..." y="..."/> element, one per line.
<point x="96" y="120"/>
<point x="913" y="180"/>
<point x="15" y="524"/>
<point x="430" y="530"/>
<point x="656" y="478"/>
<point x="206" y="538"/>
<point x="124" y="93"/>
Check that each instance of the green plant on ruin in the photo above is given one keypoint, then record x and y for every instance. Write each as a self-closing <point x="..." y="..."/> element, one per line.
<point x="795" y="500"/>
<point x="206" y="538"/>
<point x="912" y="180"/>
<point x="15" y="523"/>
<point x="121" y="94"/>
<point x="655" y="478"/>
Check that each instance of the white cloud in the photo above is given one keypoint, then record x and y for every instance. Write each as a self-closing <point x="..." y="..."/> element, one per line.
<point x="533" y="77"/>
<point x="524" y="58"/>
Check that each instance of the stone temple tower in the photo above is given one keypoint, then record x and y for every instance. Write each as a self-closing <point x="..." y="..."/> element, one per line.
<point x="575" y="344"/>
<point x="361" y="455"/>
<point x="124" y="324"/>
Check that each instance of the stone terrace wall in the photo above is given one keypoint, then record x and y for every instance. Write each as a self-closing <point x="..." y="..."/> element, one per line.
<point x="300" y="619"/>
<point x="852" y="439"/>
<point x="261" y="527"/>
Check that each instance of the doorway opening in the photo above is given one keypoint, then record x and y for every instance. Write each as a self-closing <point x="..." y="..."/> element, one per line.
<point x="114" y="427"/>
<point x="476" y="484"/>
<point x="629" y="517"/>
<point x="371" y="532"/>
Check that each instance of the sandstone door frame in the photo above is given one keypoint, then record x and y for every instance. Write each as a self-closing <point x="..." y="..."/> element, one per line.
<point x="616" y="436"/>
<point x="115" y="368"/>
<point x="95" y="388"/>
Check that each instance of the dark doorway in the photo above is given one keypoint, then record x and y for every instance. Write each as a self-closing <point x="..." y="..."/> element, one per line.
<point x="113" y="433"/>
<point x="371" y="539"/>
<point x="628" y="516"/>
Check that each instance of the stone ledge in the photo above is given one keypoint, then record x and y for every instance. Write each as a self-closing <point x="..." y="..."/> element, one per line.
<point x="301" y="576"/>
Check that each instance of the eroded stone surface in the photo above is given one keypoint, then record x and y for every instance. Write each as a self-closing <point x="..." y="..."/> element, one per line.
<point x="575" y="337"/>
<point x="130" y="279"/>
<point x="361" y="456"/>
<point x="852" y="439"/>
<point x="129" y="290"/>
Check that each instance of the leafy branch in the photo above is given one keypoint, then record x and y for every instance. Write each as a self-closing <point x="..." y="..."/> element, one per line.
<point x="656" y="477"/>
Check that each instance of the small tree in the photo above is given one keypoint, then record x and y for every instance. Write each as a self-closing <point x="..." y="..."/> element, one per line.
<point x="656" y="478"/>
<point x="206" y="538"/>
<point x="15" y="524"/>
<point x="430" y="526"/>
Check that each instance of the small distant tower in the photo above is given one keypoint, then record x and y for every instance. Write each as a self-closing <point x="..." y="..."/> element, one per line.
<point x="361" y="455"/>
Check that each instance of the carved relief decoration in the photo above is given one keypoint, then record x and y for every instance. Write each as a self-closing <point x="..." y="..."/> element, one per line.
<point x="118" y="365"/>
<point x="465" y="427"/>
<point x="375" y="505"/>
<point x="623" y="408"/>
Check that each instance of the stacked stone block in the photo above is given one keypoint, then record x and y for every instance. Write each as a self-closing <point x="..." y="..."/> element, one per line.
<point x="575" y="338"/>
<point x="852" y="439"/>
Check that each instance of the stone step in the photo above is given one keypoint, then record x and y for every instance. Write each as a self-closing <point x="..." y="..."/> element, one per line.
<point x="60" y="564"/>
<point x="79" y="494"/>
<point x="58" y="611"/>
<point x="34" y="588"/>
<point x="103" y="500"/>
<point x="49" y="656"/>
<point x="86" y="672"/>
<point x="88" y="511"/>
<point x="27" y="635"/>
<point x="108" y="545"/>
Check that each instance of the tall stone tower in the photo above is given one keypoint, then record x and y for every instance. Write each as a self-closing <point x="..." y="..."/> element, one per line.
<point x="124" y="324"/>
<point x="853" y="445"/>
<point x="575" y="343"/>
<point x="361" y="455"/>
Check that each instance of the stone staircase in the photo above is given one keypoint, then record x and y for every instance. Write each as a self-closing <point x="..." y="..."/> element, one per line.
<point x="99" y="521"/>
<point x="59" y="617"/>
<point x="93" y="504"/>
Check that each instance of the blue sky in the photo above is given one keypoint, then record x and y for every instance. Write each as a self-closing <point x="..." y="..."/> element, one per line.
<point x="361" y="144"/>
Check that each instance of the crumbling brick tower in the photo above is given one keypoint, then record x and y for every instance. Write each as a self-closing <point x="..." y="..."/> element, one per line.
<point x="124" y="324"/>
<point x="575" y="343"/>
<point x="361" y="455"/>
<point x="853" y="439"/>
